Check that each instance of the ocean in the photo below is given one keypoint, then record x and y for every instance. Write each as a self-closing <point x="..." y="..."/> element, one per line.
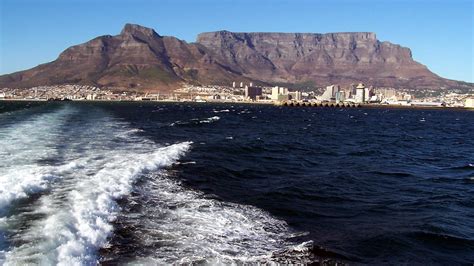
<point x="159" y="183"/>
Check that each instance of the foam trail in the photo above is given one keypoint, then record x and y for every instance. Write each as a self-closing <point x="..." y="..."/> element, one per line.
<point x="108" y="159"/>
<point x="181" y="226"/>
<point x="23" y="147"/>
<point x="94" y="202"/>
<point x="104" y="158"/>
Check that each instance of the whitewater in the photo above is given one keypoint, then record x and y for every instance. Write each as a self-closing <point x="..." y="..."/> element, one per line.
<point x="68" y="177"/>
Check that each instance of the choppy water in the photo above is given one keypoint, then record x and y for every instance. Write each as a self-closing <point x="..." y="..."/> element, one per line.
<point x="86" y="183"/>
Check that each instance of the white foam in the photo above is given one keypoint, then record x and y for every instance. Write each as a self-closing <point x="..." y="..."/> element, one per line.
<point x="79" y="212"/>
<point x="221" y="111"/>
<point x="101" y="167"/>
<point x="22" y="147"/>
<point x="181" y="226"/>
<point x="210" y="119"/>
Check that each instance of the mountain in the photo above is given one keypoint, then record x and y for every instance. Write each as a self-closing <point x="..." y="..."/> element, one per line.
<point x="139" y="58"/>
<point x="322" y="58"/>
<point x="136" y="58"/>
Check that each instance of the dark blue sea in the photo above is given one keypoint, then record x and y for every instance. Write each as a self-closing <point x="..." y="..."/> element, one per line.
<point x="197" y="183"/>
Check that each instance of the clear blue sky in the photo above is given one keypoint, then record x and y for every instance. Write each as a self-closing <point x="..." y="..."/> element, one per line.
<point x="439" y="32"/>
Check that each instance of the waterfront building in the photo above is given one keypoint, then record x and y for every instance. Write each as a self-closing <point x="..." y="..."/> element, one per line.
<point x="367" y="94"/>
<point x="294" y="95"/>
<point x="340" y="96"/>
<point x="330" y="93"/>
<point x="277" y="91"/>
<point x="386" y="93"/>
<point x="360" y="93"/>
<point x="469" y="103"/>
<point x="283" y="97"/>
<point x="252" y="92"/>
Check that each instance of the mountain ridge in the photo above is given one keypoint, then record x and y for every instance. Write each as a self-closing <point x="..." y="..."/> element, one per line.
<point x="140" y="58"/>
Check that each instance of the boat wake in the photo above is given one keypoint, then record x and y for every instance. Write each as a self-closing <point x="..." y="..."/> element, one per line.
<point x="86" y="170"/>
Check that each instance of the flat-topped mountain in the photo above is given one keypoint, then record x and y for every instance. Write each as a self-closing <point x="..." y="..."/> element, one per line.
<point x="140" y="58"/>
<point x="323" y="58"/>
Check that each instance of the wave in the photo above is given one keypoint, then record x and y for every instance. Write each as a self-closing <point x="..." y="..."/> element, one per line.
<point x="24" y="146"/>
<point x="176" y="225"/>
<point x="94" y="203"/>
<point x="210" y="119"/>
<point x="468" y="166"/>
<point x="102" y="159"/>
<point x="195" y="121"/>
<point x="221" y="111"/>
<point x="103" y="163"/>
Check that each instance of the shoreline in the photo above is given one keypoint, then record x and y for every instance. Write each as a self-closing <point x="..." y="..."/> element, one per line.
<point x="369" y="106"/>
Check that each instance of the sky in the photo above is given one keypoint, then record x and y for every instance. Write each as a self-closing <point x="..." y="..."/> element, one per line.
<point x="438" y="32"/>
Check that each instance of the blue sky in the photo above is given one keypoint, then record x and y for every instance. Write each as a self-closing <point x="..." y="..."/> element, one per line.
<point x="439" y="32"/>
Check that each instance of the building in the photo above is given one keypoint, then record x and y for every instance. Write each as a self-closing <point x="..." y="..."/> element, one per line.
<point x="386" y="93"/>
<point x="277" y="92"/>
<point x="252" y="92"/>
<point x="469" y="103"/>
<point x="360" y="93"/>
<point x="367" y="94"/>
<point x="330" y="93"/>
<point x="233" y="84"/>
<point x="294" y="95"/>
<point x="283" y="97"/>
<point x="340" y="96"/>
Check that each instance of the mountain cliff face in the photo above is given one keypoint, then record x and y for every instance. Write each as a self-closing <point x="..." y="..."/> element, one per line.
<point x="140" y="58"/>
<point x="323" y="58"/>
<point x="136" y="58"/>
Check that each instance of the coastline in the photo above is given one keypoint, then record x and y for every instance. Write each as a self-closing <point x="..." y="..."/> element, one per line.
<point x="276" y="104"/>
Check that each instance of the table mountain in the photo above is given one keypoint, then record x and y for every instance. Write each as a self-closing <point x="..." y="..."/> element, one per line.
<point x="142" y="59"/>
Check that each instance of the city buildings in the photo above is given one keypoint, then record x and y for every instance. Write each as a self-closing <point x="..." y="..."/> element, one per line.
<point x="469" y="103"/>
<point x="295" y="95"/>
<point x="360" y="93"/>
<point x="330" y="93"/>
<point x="219" y="93"/>
<point x="252" y="92"/>
<point x="340" y="96"/>
<point x="279" y="94"/>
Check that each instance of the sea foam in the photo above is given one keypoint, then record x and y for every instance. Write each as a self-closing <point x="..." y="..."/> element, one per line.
<point x="80" y="209"/>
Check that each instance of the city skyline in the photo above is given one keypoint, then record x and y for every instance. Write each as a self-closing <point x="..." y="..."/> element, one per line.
<point x="440" y="39"/>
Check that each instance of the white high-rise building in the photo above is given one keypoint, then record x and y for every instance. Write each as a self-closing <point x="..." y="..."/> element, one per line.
<point x="360" y="93"/>
<point x="277" y="91"/>
<point x="330" y="93"/>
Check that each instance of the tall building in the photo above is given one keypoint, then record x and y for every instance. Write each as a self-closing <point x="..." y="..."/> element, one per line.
<point x="330" y="93"/>
<point x="340" y="96"/>
<point x="367" y="94"/>
<point x="277" y="91"/>
<point x="469" y="103"/>
<point x="241" y="84"/>
<point x="233" y="84"/>
<point x="252" y="92"/>
<point x="294" y="95"/>
<point x="360" y="93"/>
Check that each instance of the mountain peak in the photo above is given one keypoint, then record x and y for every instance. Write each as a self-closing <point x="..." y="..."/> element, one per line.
<point x="140" y="58"/>
<point x="137" y="30"/>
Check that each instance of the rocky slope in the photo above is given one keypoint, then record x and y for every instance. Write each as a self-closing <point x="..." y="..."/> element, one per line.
<point x="136" y="58"/>
<point x="140" y="58"/>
